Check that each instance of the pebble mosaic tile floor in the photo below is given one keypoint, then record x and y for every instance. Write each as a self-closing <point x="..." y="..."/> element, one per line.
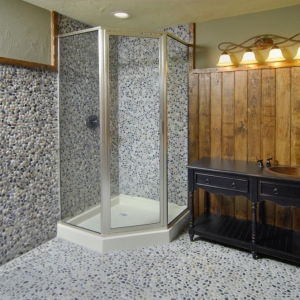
<point x="179" y="270"/>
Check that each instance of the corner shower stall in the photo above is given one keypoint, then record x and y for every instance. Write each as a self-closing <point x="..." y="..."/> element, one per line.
<point x="123" y="101"/>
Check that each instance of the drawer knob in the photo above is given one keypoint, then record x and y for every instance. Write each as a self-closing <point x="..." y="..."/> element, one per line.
<point x="207" y="181"/>
<point x="275" y="191"/>
<point x="233" y="185"/>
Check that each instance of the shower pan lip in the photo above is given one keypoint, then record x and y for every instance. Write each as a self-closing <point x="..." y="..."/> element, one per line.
<point x="139" y="210"/>
<point x="122" y="240"/>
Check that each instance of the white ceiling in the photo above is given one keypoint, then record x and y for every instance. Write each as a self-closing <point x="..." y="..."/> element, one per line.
<point x="154" y="14"/>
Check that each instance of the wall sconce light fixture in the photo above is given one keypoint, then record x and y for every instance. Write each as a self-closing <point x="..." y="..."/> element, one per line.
<point x="248" y="58"/>
<point x="259" y="42"/>
<point x="224" y="60"/>
<point x="298" y="54"/>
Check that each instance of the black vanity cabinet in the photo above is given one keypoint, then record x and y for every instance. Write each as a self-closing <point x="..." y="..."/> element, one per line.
<point x="238" y="178"/>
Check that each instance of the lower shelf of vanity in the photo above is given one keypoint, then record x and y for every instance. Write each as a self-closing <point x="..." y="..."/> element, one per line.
<point x="271" y="240"/>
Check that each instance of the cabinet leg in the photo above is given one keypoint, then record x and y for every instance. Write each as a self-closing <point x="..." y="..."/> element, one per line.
<point x="254" y="255"/>
<point x="253" y="223"/>
<point x="253" y="236"/>
<point x="206" y="202"/>
<point x="191" y="234"/>
<point x="191" y="230"/>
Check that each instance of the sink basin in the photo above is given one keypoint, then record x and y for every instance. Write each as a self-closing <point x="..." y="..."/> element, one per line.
<point x="285" y="170"/>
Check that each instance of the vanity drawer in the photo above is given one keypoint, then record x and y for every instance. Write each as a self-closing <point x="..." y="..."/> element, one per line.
<point x="228" y="183"/>
<point x="279" y="190"/>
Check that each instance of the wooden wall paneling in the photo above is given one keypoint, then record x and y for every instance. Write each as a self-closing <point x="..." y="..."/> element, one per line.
<point x="295" y="131"/>
<point x="204" y="115"/>
<point x="204" y="123"/>
<point x="192" y="43"/>
<point x="216" y="130"/>
<point x="263" y="116"/>
<point x="193" y="118"/>
<point x="240" y="133"/>
<point x="254" y="115"/>
<point x="54" y="39"/>
<point x="283" y="135"/>
<point x="228" y="132"/>
<point x="268" y="129"/>
<point x="193" y="127"/>
<point x="254" y="119"/>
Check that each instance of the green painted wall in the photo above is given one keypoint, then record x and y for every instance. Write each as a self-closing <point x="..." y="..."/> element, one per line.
<point x="25" y="32"/>
<point x="284" y="22"/>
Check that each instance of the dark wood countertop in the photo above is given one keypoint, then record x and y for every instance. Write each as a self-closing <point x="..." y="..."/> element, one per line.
<point x="238" y="167"/>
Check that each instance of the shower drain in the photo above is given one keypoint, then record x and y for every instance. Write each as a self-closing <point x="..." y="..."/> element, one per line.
<point x="124" y="214"/>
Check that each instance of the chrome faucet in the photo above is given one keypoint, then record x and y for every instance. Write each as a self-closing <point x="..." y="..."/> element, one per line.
<point x="260" y="161"/>
<point x="269" y="162"/>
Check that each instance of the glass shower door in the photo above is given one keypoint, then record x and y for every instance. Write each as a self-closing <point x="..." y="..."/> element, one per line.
<point x="135" y="148"/>
<point x="79" y="122"/>
<point x="177" y="116"/>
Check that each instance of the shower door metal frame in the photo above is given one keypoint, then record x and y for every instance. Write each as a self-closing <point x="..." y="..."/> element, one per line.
<point x="105" y="130"/>
<point x="98" y="28"/>
<point x="104" y="113"/>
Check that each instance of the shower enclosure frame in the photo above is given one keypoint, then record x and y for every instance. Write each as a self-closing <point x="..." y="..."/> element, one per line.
<point x="104" y="113"/>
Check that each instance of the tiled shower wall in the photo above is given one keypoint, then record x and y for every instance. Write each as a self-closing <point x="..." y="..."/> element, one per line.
<point x="138" y="116"/>
<point x="138" y="128"/>
<point x="177" y="121"/>
<point x="29" y="206"/>
<point x="134" y="121"/>
<point x="79" y="145"/>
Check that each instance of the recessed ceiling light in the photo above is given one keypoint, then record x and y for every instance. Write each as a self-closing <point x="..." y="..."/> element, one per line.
<point x="121" y="14"/>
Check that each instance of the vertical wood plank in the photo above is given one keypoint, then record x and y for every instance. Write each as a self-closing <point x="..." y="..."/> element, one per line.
<point x="254" y="119"/>
<point x="54" y="39"/>
<point x="268" y="129"/>
<point x="254" y="114"/>
<point x="193" y="118"/>
<point x="192" y="27"/>
<point x="240" y="133"/>
<point x="228" y="132"/>
<point x="283" y="134"/>
<point x="295" y="132"/>
<point x="272" y="125"/>
<point x="193" y="128"/>
<point x="204" y="115"/>
<point x="204" y="124"/>
<point x="216" y="130"/>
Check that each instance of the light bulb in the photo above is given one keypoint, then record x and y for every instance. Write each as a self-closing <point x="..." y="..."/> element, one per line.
<point x="224" y="60"/>
<point x="275" y="55"/>
<point x="248" y="58"/>
<point x="298" y="54"/>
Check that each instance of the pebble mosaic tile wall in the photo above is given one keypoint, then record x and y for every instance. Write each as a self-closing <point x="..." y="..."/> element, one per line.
<point x="134" y="121"/>
<point x="177" y="121"/>
<point x="79" y="145"/>
<point x="138" y="122"/>
<point x="114" y="115"/>
<point x="29" y="207"/>
<point x="180" y="31"/>
<point x="138" y="96"/>
<point x="67" y="25"/>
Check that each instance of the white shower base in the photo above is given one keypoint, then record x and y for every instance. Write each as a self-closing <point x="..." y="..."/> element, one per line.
<point x="125" y="211"/>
